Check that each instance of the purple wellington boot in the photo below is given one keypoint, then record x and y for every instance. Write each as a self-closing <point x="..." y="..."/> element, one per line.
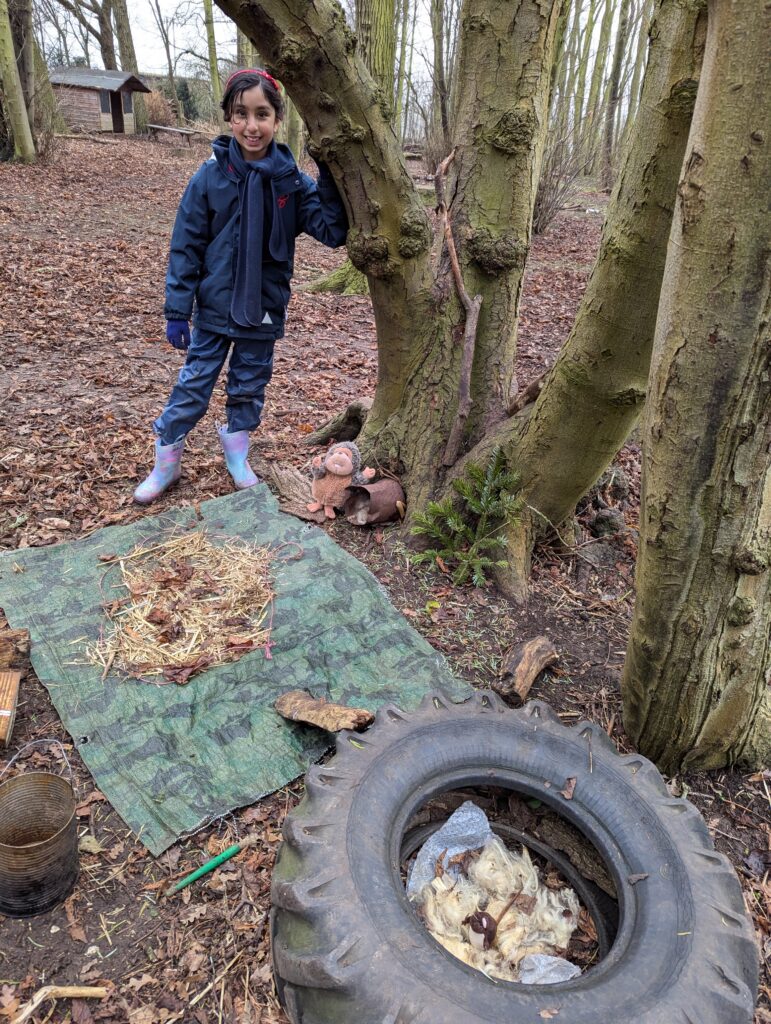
<point x="166" y="472"/>
<point x="236" y="449"/>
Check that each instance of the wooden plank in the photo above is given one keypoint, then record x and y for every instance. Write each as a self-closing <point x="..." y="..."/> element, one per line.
<point x="176" y="131"/>
<point x="9" y="697"/>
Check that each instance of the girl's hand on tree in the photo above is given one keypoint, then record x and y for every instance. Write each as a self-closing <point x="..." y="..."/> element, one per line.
<point x="178" y="333"/>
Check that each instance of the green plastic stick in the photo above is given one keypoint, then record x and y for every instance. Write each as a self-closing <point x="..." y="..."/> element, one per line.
<point x="210" y="865"/>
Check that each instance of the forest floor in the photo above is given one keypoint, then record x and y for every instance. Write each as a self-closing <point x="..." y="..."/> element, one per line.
<point x="85" y="369"/>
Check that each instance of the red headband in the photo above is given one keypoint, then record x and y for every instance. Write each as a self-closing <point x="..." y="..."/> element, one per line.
<point x="253" y="71"/>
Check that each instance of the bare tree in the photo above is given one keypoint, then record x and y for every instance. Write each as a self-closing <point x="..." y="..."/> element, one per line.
<point x="100" y="28"/>
<point x="165" y="24"/>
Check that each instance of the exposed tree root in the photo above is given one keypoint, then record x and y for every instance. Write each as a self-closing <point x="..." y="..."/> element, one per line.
<point x="346" y="280"/>
<point x="346" y="426"/>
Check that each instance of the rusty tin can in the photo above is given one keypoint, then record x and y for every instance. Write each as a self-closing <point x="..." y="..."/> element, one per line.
<point x="38" y="843"/>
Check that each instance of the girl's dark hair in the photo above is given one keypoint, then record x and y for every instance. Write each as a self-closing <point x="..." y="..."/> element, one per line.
<point x="240" y="81"/>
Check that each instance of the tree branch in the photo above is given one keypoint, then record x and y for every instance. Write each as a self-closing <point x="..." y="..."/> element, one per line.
<point x="472" y="307"/>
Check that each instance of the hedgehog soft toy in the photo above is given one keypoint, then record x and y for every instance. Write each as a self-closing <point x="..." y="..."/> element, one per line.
<point x="332" y="475"/>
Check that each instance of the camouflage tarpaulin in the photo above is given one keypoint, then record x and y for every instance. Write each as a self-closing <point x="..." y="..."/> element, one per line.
<point x="170" y="758"/>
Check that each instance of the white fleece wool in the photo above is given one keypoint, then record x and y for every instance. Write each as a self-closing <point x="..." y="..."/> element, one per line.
<point x="541" y="921"/>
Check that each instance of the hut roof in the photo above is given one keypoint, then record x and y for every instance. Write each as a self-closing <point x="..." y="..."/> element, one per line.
<point x="95" y="78"/>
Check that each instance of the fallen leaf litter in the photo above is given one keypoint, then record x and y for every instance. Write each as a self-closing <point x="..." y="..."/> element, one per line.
<point x="186" y="605"/>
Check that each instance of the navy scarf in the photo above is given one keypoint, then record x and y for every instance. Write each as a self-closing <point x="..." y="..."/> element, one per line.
<point x="246" y="304"/>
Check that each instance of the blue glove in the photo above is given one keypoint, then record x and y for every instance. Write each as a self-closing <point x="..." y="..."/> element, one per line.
<point x="178" y="333"/>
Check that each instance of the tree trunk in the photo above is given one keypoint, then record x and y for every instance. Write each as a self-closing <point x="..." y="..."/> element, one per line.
<point x="128" y="59"/>
<point x="48" y="117"/>
<point x="294" y="129"/>
<point x="13" y="96"/>
<point x="591" y="135"/>
<point x="401" y="74"/>
<point x="214" y="71"/>
<point x="639" y="64"/>
<point x="408" y="81"/>
<point x="615" y="94"/>
<point x="562" y="42"/>
<point x="242" y="47"/>
<point x="22" y="28"/>
<point x="499" y="139"/>
<point x="376" y="33"/>
<point x="376" y="36"/>
<point x="696" y="679"/>
<point x="579" y="127"/>
<point x="106" y="37"/>
<point x="595" y="391"/>
<point x="441" y="118"/>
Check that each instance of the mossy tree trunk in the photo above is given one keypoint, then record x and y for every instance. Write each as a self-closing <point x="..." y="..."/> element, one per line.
<point x="24" y="36"/>
<point x="13" y="95"/>
<point x="294" y="129"/>
<point x="698" y="669"/>
<point x="595" y="392"/>
<point x="376" y="40"/>
<point x="376" y="33"/>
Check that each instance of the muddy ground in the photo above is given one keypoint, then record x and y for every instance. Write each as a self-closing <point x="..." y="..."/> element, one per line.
<point x="85" y="369"/>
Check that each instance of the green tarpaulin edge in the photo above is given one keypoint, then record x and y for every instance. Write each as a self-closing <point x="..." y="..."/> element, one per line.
<point x="170" y="758"/>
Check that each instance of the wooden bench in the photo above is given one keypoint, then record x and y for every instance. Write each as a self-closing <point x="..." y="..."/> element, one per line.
<point x="186" y="133"/>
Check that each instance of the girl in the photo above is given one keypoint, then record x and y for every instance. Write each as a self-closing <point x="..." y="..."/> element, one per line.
<point x="232" y="251"/>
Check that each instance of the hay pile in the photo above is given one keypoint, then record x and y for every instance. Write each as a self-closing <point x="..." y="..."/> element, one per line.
<point x="187" y="605"/>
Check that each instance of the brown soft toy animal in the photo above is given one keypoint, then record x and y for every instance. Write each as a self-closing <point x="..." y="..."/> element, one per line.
<point x="332" y="476"/>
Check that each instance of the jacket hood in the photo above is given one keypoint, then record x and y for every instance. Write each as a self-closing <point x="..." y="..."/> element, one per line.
<point x="285" y="161"/>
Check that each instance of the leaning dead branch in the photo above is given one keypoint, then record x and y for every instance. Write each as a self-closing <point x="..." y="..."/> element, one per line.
<point x="472" y="307"/>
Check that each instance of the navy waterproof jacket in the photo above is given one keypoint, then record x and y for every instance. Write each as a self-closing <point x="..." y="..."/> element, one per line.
<point x="204" y="241"/>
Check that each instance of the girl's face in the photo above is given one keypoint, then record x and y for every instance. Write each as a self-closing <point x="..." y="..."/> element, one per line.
<point x="254" y="123"/>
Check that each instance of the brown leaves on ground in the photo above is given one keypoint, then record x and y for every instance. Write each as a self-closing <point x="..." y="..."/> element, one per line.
<point x="299" y="706"/>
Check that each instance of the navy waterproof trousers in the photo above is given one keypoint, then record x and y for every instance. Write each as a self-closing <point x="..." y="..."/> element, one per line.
<point x="250" y="370"/>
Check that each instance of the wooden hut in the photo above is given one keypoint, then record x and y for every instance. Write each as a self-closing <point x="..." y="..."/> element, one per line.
<point x="97" y="101"/>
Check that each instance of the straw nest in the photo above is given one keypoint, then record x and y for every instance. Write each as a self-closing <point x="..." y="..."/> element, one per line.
<point x="184" y="606"/>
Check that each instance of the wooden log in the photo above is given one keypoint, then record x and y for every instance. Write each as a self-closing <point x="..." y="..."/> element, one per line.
<point x="522" y="665"/>
<point x="299" y="706"/>
<point x="9" y="698"/>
